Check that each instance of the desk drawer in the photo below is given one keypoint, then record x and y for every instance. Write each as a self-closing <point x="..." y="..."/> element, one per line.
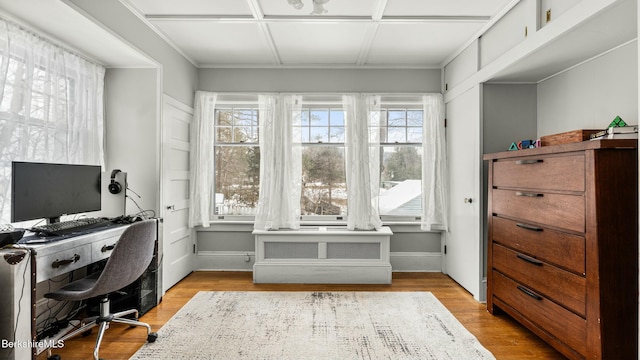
<point x="551" y="317"/>
<point x="564" y="250"/>
<point x="561" y="286"/>
<point x="543" y="173"/>
<point x="62" y="262"/>
<point x="102" y="249"/>
<point x="557" y="210"/>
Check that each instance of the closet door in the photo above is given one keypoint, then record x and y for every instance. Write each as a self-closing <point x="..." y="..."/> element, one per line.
<point x="464" y="251"/>
<point x="178" y="239"/>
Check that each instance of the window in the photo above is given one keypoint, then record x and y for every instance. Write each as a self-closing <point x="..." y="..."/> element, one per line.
<point x="237" y="161"/>
<point x="322" y="133"/>
<point x="51" y="108"/>
<point x="400" y="162"/>
<point x="324" y="182"/>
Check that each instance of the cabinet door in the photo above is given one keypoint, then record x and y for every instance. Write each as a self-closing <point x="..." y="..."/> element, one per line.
<point x="508" y="32"/>
<point x="464" y="252"/>
<point x="551" y="9"/>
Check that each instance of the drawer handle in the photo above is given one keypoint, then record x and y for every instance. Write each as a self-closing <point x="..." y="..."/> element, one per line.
<point x="529" y="259"/>
<point x="58" y="263"/>
<point x="529" y="292"/>
<point x="108" y="248"/>
<point x="528" y="162"/>
<point x="528" y="227"/>
<point x="528" y="194"/>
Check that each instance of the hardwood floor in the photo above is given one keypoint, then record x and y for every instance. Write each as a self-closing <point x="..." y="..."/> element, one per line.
<point x="501" y="335"/>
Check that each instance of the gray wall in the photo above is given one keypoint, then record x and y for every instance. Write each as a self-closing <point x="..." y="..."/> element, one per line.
<point x="509" y="114"/>
<point x="315" y="80"/>
<point x="591" y="95"/>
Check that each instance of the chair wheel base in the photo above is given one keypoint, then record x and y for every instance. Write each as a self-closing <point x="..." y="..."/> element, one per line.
<point x="152" y="337"/>
<point x="54" y="357"/>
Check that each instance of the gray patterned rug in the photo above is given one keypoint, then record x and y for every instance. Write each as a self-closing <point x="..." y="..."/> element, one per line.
<point x="313" y="325"/>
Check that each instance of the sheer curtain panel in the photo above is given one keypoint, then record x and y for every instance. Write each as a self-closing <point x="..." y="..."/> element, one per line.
<point x="362" y="160"/>
<point x="434" y="167"/>
<point x="280" y="162"/>
<point x="51" y="106"/>
<point x="202" y="156"/>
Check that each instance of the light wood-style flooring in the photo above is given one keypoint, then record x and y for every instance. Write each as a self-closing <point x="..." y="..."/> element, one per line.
<point x="501" y="335"/>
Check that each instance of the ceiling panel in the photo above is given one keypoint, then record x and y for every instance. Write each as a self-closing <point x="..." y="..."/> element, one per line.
<point x="319" y="43"/>
<point x="444" y="8"/>
<point x="426" y="44"/>
<point x="210" y="42"/>
<point x="191" y="7"/>
<point x="332" y="7"/>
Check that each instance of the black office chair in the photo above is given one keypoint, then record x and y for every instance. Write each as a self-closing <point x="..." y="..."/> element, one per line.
<point x="128" y="261"/>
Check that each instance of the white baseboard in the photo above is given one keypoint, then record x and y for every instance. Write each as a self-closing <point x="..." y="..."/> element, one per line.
<point x="236" y="261"/>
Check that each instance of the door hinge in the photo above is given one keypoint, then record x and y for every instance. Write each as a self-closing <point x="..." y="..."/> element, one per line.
<point x="194" y="248"/>
<point x="445" y="249"/>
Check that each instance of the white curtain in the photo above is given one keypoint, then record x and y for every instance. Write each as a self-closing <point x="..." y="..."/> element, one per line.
<point x="202" y="159"/>
<point x="434" y="167"/>
<point x="362" y="160"/>
<point x="280" y="162"/>
<point x="51" y="105"/>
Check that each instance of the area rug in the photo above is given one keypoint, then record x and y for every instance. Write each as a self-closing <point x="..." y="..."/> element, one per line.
<point x="313" y="325"/>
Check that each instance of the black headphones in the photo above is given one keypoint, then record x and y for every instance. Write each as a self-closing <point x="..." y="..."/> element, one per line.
<point x="114" y="186"/>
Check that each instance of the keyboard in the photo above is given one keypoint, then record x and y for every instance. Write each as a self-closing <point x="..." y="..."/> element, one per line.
<point x="70" y="226"/>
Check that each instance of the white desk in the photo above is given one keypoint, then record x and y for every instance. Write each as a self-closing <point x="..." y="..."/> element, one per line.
<point x="22" y="267"/>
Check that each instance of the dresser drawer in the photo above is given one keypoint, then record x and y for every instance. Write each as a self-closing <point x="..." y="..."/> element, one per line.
<point x="557" y="210"/>
<point x="553" y="318"/>
<point x="559" y="285"/>
<point x="543" y="173"/>
<point x="561" y="249"/>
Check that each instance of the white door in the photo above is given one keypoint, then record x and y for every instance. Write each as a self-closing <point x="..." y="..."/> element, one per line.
<point x="464" y="253"/>
<point x="178" y="239"/>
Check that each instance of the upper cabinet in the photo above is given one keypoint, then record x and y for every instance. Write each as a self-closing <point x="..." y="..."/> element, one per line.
<point x="523" y="47"/>
<point x="462" y="66"/>
<point x="513" y="28"/>
<point x="552" y="9"/>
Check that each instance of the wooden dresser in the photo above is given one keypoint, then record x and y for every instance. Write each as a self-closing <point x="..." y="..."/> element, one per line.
<point x="563" y="245"/>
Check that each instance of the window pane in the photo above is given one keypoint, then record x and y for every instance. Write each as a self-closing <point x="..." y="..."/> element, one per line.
<point x="323" y="181"/>
<point x="414" y="135"/>
<point x="401" y="185"/>
<point x="224" y="117"/>
<point x="224" y="134"/>
<point x="414" y="118"/>
<point x="319" y="134"/>
<point x="397" y="118"/>
<point x="396" y="134"/>
<point x="244" y="134"/>
<point x="305" y="137"/>
<point x="237" y="179"/>
<point x="337" y="135"/>
<point x="320" y="117"/>
<point x="304" y="117"/>
<point x="244" y="117"/>
<point x="337" y="118"/>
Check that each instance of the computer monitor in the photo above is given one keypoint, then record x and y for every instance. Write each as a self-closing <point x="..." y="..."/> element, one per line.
<point x="45" y="190"/>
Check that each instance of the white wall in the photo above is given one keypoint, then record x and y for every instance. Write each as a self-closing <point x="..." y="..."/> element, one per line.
<point x="131" y="111"/>
<point x="591" y="95"/>
<point x="179" y="76"/>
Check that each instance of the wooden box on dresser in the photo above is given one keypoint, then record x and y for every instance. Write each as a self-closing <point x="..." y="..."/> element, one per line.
<point x="563" y="245"/>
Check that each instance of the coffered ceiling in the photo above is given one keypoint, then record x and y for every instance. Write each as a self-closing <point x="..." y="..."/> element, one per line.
<point x="340" y="33"/>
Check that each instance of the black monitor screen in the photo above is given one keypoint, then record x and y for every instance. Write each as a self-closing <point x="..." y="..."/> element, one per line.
<point x="43" y="190"/>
